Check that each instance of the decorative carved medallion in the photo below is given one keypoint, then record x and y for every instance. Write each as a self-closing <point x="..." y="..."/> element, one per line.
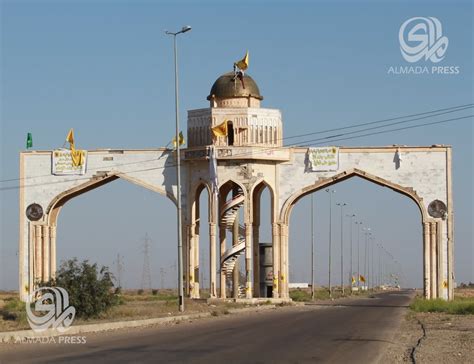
<point x="437" y="209"/>
<point x="34" y="212"/>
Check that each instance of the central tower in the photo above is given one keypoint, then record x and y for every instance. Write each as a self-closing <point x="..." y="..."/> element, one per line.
<point x="248" y="152"/>
<point x="237" y="101"/>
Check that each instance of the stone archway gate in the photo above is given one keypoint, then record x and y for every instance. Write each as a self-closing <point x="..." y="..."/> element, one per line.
<point x="421" y="173"/>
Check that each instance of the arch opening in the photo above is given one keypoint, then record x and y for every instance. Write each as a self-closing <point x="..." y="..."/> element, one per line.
<point x="263" y="220"/>
<point x="114" y="235"/>
<point x="231" y="218"/>
<point x="410" y="250"/>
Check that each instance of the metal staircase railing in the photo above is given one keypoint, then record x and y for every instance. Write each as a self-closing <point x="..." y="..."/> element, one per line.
<point x="229" y="258"/>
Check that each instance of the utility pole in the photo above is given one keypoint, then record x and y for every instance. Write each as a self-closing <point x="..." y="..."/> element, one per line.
<point x="341" y="205"/>
<point x="146" y="274"/>
<point x="312" y="247"/>
<point x="330" y="192"/>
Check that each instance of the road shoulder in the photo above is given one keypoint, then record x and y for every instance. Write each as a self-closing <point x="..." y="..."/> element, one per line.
<point x="432" y="338"/>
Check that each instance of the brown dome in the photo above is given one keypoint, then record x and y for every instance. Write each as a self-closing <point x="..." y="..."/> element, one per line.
<point x="226" y="87"/>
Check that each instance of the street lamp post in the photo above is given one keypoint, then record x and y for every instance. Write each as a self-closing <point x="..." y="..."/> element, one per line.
<point x="330" y="192"/>
<point x="312" y="247"/>
<point x="351" y="272"/>
<point x="358" y="252"/>
<point x="373" y="265"/>
<point x="341" y="205"/>
<point x="367" y="233"/>
<point x="178" y="171"/>
<point x="369" y="280"/>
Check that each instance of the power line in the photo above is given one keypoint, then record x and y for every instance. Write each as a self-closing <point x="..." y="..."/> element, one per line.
<point x="326" y="139"/>
<point x="432" y="113"/>
<point x="390" y="130"/>
<point x="460" y="107"/>
<point x="395" y="123"/>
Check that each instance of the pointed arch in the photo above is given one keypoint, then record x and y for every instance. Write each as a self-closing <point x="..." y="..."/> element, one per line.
<point x="323" y="183"/>
<point x="54" y="207"/>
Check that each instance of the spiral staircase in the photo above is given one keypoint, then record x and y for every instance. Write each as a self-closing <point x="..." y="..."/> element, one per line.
<point x="228" y="214"/>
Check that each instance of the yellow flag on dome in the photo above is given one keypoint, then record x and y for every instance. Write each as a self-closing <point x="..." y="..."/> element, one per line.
<point x="361" y="278"/>
<point x="243" y="64"/>
<point x="220" y="130"/>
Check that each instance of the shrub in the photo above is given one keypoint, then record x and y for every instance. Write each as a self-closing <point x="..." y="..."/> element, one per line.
<point x="300" y="296"/>
<point x="140" y="291"/>
<point x="90" y="289"/>
<point x="154" y="292"/>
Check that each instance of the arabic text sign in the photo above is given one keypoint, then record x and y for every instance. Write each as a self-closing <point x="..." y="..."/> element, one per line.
<point x="324" y="158"/>
<point x="62" y="163"/>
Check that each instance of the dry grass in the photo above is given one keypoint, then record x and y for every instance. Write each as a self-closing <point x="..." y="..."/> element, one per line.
<point x="133" y="306"/>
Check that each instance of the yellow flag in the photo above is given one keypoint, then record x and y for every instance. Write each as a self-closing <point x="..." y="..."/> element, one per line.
<point x="243" y="64"/>
<point x="70" y="136"/>
<point x="353" y="279"/>
<point x="78" y="157"/>
<point x="361" y="278"/>
<point x="220" y="130"/>
<point x="181" y="139"/>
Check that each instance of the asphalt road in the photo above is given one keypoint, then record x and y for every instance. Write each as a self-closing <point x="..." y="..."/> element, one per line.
<point x="347" y="331"/>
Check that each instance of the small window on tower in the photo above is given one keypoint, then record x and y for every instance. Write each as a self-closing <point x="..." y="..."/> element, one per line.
<point x="230" y="133"/>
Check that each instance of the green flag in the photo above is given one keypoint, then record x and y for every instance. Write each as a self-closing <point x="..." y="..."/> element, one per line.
<point x="29" y="141"/>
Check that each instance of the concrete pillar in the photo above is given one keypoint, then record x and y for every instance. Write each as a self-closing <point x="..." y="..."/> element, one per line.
<point x="52" y="237"/>
<point x="276" y="260"/>
<point x="248" y="260"/>
<point x="46" y="256"/>
<point x="38" y="254"/>
<point x="31" y="257"/>
<point x="222" y="243"/>
<point x="212" y="260"/>
<point x="256" y="245"/>
<point x="196" y="261"/>
<point x="185" y="262"/>
<point x="190" y="232"/>
<point x="434" y="260"/>
<point x="426" y="260"/>
<point x="449" y="226"/>
<point x="256" y="261"/>
<point x="284" y="261"/>
<point x="440" y="262"/>
<point x="235" y="241"/>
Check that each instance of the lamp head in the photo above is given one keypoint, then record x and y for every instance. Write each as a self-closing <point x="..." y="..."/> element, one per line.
<point x="185" y="29"/>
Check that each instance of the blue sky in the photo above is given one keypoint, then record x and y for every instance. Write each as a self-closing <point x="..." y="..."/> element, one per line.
<point x="106" y="69"/>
